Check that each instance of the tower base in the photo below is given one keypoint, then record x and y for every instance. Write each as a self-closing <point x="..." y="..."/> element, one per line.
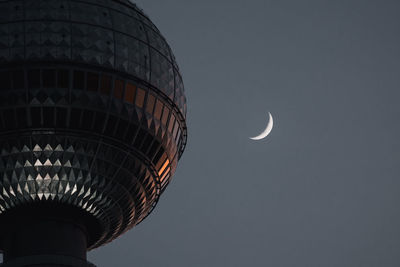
<point x="44" y="236"/>
<point x="47" y="261"/>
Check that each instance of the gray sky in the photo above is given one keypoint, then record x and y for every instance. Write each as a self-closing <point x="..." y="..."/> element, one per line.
<point x="324" y="188"/>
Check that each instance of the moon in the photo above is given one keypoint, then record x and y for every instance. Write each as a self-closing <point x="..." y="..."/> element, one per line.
<point x="267" y="130"/>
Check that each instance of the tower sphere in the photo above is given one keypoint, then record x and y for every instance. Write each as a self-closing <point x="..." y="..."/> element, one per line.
<point x="92" y="112"/>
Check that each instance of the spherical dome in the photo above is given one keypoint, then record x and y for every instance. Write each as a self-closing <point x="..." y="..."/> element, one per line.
<point x="92" y="110"/>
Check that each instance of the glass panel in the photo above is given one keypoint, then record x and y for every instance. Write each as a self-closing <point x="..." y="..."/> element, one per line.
<point x="18" y="79"/>
<point x="158" y="109"/>
<point x="162" y="158"/>
<point x="130" y="93"/>
<point x="92" y="81"/>
<point x="139" y="138"/>
<point x="34" y="78"/>
<point x="121" y="129"/>
<point x="99" y="122"/>
<point x="61" y="117"/>
<point x="49" y="78"/>
<point x="131" y="132"/>
<point x="36" y="116"/>
<point x="165" y="174"/>
<point x="153" y="149"/>
<point x="171" y="123"/>
<point x="178" y="136"/>
<point x="9" y="118"/>
<point x="75" y="118"/>
<point x="21" y="117"/>
<point x="105" y="86"/>
<point x="79" y="80"/>
<point x="146" y="143"/>
<point x="118" y="88"/>
<point x="140" y="97"/>
<point x="158" y="156"/>
<point x="87" y="119"/>
<point x="48" y="116"/>
<point x="150" y="103"/>
<point x="175" y="129"/>
<point x="165" y="115"/>
<point x="5" y="83"/>
<point x="63" y="79"/>
<point x="165" y="181"/>
<point x="111" y="124"/>
<point x="163" y="167"/>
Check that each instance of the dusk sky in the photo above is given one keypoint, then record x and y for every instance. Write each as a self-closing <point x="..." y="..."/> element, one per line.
<point x="323" y="189"/>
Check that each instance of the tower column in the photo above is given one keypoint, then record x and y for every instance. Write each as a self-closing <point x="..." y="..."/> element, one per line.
<point x="43" y="236"/>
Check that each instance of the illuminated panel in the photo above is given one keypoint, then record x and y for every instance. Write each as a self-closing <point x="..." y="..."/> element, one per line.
<point x="163" y="167"/>
<point x="165" y="174"/>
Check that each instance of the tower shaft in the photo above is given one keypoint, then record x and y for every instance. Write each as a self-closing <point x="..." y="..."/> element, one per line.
<point x="44" y="236"/>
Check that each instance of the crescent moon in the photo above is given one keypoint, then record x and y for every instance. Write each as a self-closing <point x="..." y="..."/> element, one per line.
<point x="267" y="130"/>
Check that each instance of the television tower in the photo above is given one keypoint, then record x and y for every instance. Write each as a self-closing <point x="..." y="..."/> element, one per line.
<point x="92" y="125"/>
